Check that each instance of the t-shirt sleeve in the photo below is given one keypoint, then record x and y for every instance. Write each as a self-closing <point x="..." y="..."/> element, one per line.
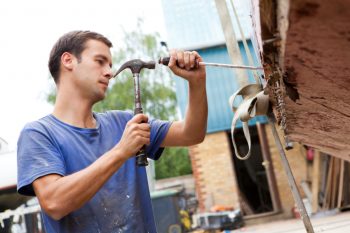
<point x="37" y="156"/>
<point x="159" y="129"/>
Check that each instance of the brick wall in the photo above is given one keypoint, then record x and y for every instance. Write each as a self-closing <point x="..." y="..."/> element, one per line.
<point x="297" y="162"/>
<point x="213" y="172"/>
<point x="215" y="178"/>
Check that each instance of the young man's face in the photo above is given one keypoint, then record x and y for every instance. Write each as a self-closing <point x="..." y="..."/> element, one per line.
<point x="94" y="70"/>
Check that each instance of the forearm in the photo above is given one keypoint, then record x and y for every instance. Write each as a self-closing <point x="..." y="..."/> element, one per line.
<point x="192" y="129"/>
<point x="195" y="122"/>
<point x="71" y="192"/>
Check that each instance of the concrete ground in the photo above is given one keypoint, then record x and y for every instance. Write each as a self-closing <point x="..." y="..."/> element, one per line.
<point x="336" y="223"/>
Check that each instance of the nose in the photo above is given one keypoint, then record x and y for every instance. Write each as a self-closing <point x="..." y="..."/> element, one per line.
<point x="108" y="72"/>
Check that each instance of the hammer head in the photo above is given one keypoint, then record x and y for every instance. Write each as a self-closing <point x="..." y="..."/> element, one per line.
<point x="136" y="65"/>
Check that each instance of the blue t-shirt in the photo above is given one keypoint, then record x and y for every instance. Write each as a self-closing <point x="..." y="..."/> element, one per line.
<point x="123" y="204"/>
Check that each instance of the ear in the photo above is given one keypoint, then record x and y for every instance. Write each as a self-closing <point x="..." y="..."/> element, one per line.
<point x="67" y="60"/>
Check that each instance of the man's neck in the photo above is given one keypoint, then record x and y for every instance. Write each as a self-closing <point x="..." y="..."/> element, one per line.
<point x="74" y="111"/>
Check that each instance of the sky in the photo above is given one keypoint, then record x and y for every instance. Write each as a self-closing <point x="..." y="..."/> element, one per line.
<point x="28" y="31"/>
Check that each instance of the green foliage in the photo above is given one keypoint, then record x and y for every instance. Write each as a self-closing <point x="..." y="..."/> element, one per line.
<point x="157" y="89"/>
<point x="157" y="94"/>
<point x="175" y="163"/>
<point x="51" y="97"/>
<point x="158" y="100"/>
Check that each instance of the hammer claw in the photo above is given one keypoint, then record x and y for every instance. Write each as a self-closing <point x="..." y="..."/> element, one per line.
<point x="136" y="65"/>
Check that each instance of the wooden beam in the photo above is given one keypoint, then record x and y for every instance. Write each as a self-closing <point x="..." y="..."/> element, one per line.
<point x="317" y="65"/>
<point x="327" y="191"/>
<point x="315" y="181"/>
<point x="341" y="184"/>
<point x="231" y="41"/>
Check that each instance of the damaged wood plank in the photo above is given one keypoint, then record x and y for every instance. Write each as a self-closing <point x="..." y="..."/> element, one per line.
<point x="315" y="61"/>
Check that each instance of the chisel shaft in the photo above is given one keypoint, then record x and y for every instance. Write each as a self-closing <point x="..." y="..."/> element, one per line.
<point x="165" y="61"/>
<point x="230" y="66"/>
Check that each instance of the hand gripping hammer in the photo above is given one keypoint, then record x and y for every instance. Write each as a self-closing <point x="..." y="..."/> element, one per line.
<point x="136" y="65"/>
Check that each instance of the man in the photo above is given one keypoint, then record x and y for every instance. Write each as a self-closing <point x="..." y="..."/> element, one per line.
<point x="81" y="164"/>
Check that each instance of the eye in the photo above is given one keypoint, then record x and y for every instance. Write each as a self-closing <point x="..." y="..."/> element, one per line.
<point x="101" y="62"/>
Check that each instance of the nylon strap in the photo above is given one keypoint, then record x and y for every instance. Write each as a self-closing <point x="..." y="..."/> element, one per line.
<point x="254" y="103"/>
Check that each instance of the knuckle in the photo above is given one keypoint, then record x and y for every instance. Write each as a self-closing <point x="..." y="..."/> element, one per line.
<point x="138" y="138"/>
<point x="133" y="134"/>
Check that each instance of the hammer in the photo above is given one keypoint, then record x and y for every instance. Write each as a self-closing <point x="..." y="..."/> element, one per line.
<point x="136" y="65"/>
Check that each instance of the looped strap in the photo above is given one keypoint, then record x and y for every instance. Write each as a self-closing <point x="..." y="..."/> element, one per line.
<point x="254" y="103"/>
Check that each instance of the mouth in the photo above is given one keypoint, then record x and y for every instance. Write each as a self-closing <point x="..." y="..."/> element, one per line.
<point x="104" y="83"/>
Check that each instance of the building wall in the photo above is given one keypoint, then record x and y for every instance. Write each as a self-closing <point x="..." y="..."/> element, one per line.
<point x="221" y="83"/>
<point x="297" y="161"/>
<point x="213" y="172"/>
<point x="196" y="23"/>
<point x="215" y="178"/>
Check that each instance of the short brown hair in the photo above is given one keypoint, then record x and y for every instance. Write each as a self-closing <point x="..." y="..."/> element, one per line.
<point x="73" y="42"/>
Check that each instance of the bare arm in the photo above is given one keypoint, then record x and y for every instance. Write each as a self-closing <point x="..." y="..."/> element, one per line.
<point x="59" y="196"/>
<point x="192" y="129"/>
